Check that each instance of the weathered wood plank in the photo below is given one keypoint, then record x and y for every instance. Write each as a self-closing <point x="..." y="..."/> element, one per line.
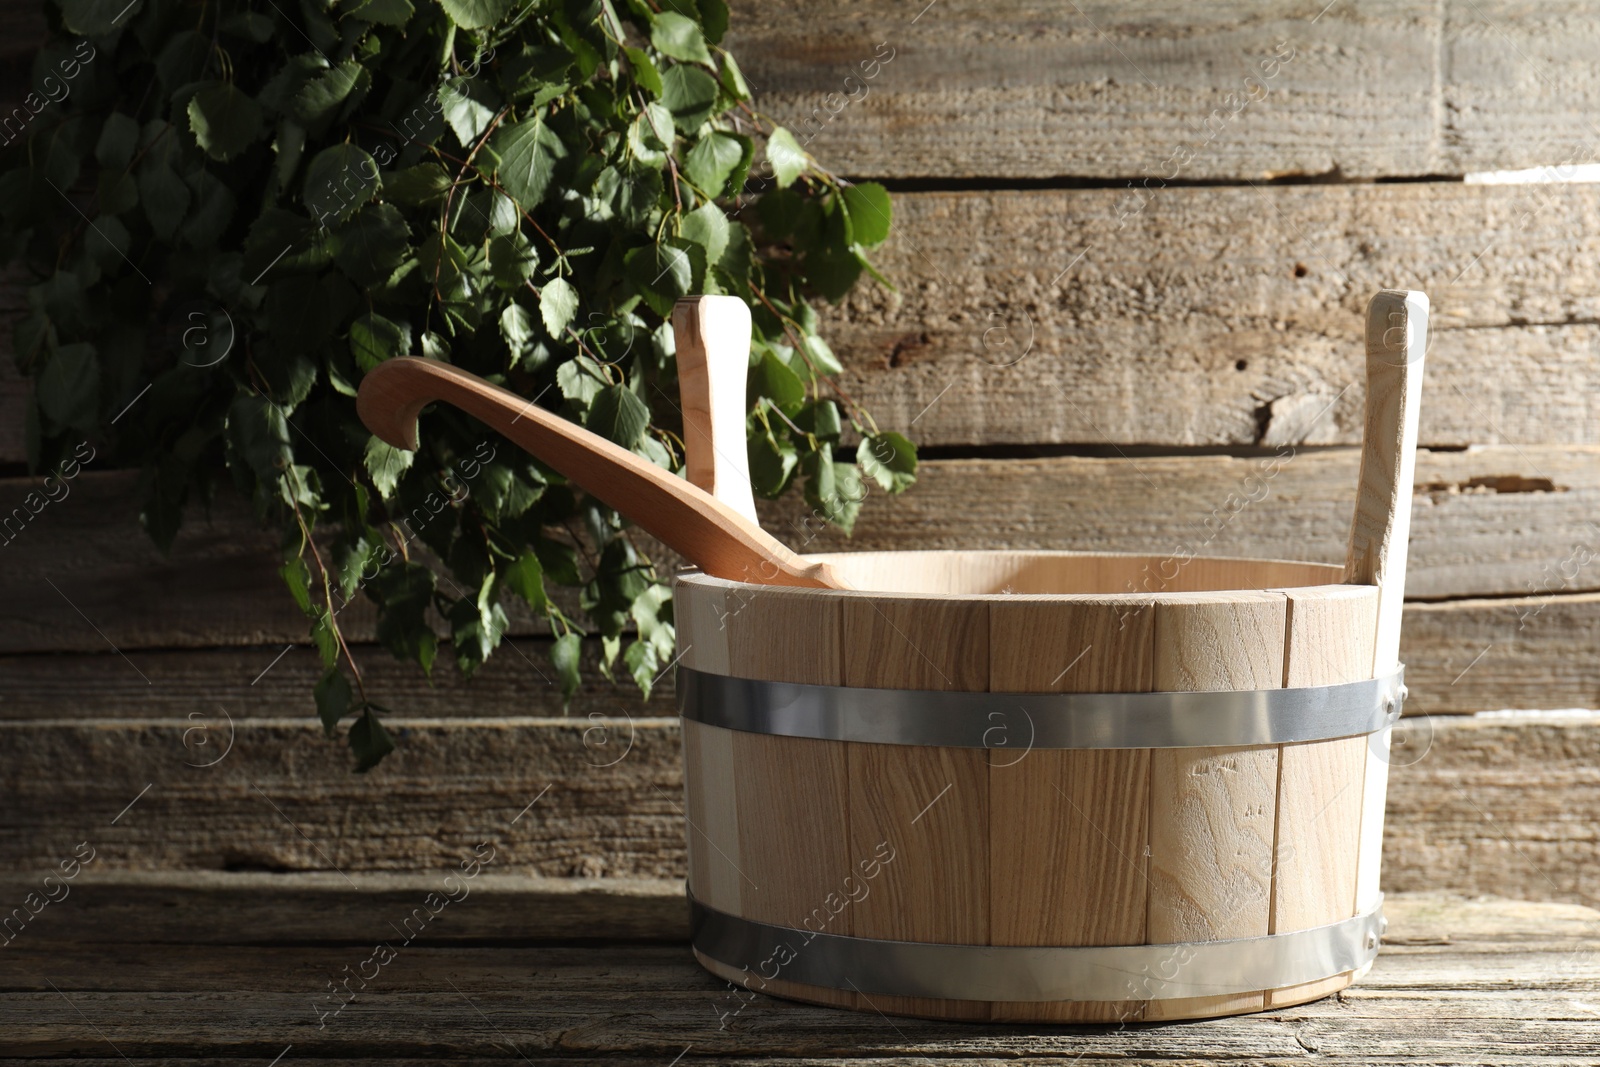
<point x="255" y="907"/>
<point x="1033" y="317"/>
<point x="1225" y="315"/>
<point x="1466" y="982"/>
<point x="80" y="573"/>
<point x="1490" y="521"/>
<point x="455" y="783"/>
<point x="1115" y="90"/>
<point x="1128" y="90"/>
<point x="276" y="681"/>
<point x="1529" y="652"/>
<point x="1461" y="657"/>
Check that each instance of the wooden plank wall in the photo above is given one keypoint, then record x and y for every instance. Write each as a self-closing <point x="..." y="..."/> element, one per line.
<point x="1131" y="250"/>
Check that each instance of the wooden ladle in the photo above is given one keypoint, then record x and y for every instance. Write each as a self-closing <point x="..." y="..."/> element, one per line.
<point x="705" y="531"/>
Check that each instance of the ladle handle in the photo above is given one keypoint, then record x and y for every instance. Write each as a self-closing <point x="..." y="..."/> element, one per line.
<point x="702" y="529"/>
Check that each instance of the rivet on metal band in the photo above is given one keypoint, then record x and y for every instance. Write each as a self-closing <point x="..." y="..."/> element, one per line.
<point x="1025" y="721"/>
<point x="1026" y="973"/>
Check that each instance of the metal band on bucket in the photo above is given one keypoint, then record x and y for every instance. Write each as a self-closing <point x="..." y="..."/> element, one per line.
<point x="1025" y="721"/>
<point x="1026" y="973"/>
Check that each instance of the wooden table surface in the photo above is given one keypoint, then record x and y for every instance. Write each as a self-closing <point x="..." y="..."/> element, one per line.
<point x="1459" y="981"/>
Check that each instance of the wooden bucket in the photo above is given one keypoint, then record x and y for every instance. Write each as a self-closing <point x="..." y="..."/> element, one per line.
<point x="1056" y="786"/>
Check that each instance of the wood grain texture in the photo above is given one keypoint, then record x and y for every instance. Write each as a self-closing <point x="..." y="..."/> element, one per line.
<point x="1146" y="90"/>
<point x="794" y="829"/>
<point x="1035" y="317"/>
<point x="987" y="341"/>
<point x="1397" y="341"/>
<point x="275" y="681"/>
<point x="1461" y="980"/>
<point x="1461" y="657"/>
<point x="114" y="907"/>
<point x="1495" y="520"/>
<point x="711" y="809"/>
<point x="1067" y="837"/>
<point x="455" y="782"/>
<point x="1329" y="640"/>
<point x="930" y="806"/>
<point x="712" y="346"/>
<point x="1486" y="522"/>
<point x="1212" y="810"/>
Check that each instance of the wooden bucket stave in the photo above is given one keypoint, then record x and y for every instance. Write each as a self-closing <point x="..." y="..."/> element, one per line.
<point x="873" y="853"/>
<point x="1006" y="846"/>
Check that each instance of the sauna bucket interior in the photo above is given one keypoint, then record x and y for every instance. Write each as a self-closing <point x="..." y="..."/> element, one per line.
<point x="1001" y="786"/>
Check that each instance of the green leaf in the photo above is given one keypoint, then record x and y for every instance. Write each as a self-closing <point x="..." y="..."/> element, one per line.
<point x="476" y="626"/>
<point x="259" y="432"/>
<point x="297" y="576"/>
<point x="512" y="260"/>
<point x="225" y="121"/>
<point x="212" y="211"/>
<point x="517" y="329"/>
<point x="821" y="419"/>
<point x="618" y="415"/>
<point x="650" y="136"/>
<point x="369" y="741"/>
<point x="323" y="95"/>
<point x="834" y="489"/>
<point x="528" y="152"/>
<point x="707" y="227"/>
<point x="475" y="14"/>
<point x="558" y="303"/>
<point x="404" y="591"/>
<point x="339" y="180"/>
<point x="690" y="94"/>
<point x="788" y="159"/>
<point x="779" y="212"/>
<point x="822" y="356"/>
<point x="424" y="183"/>
<point x="643" y="663"/>
<point x="465" y="114"/>
<point x="118" y="139"/>
<point x="888" y="459"/>
<point x="679" y="37"/>
<point x="580" y="380"/>
<point x="282" y="243"/>
<point x="116" y="193"/>
<point x="773" y="379"/>
<point x="385" y="464"/>
<point x="97" y="18"/>
<point x="772" y="464"/>
<point x="444" y="263"/>
<point x="867" y="207"/>
<point x="383" y="12"/>
<point x="324" y="636"/>
<point x="712" y="161"/>
<point x="644" y="70"/>
<point x="332" y="694"/>
<point x="832" y="271"/>
<point x="374" y="339"/>
<point x="662" y="273"/>
<point x="714" y="17"/>
<point x="732" y="78"/>
<point x="566" y="655"/>
<point x="525" y="577"/>
<point x="68" y="389"/>
<point x="371" y="245"/>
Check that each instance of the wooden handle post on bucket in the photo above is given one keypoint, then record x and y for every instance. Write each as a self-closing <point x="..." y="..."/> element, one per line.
<point x="1117" y="786"/>
<point x="1397" y="344"/>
